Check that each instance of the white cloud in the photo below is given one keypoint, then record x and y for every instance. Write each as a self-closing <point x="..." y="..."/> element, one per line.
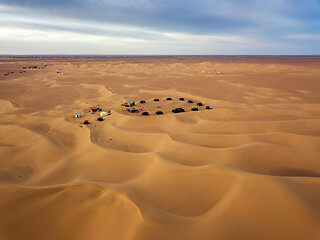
<point x="313" y="37"/>
<point x="42" y="33"/>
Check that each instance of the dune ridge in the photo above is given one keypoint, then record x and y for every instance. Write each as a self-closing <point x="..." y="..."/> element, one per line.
<point x="247" y="169"/>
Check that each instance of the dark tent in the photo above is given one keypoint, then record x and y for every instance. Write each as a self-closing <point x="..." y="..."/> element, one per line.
<point x="177" y="110"/>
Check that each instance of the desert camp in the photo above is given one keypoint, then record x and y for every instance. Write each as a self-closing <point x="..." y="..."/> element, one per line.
<point x="159" y="120"/>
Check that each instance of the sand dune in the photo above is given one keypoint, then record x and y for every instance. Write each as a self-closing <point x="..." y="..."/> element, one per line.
<point x="247" y="169"/>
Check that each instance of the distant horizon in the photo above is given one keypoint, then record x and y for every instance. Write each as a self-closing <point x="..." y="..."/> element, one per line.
<point x="156" y="55"/>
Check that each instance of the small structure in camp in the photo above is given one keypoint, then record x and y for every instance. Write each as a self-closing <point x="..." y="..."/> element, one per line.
<point x="159" y="113"/>
<point x="77" y="115"/>
<point x="142" y="101"/>
<point x="100" y="119"/>
<point x="190" y="101"/>
<point x="94" y="110"/>
<point x="128" y="104"/>
<point x="181" y="99"/>
<point x="86" y="122"/>
<point x="177" y="110"/>
<point x="168" y="98"/>
<point x="200" y="104"/>
<point x="208" y="107"/>
<point x="156" y="100"/>
<point x="145" y="113"/>
<point x="103" y="114"/>
<point x="133" y="110"/>
<point x="194" y="109"/>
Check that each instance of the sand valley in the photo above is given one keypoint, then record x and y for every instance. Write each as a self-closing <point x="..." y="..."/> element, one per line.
<point x="249" y="168"/>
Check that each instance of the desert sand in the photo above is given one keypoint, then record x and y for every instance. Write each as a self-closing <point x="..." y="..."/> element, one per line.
<point x="249" y="168"/>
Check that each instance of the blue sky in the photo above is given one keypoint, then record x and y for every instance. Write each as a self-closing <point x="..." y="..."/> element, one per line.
<point x="160" y="27"/>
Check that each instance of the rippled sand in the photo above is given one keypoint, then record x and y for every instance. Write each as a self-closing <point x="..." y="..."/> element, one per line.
<point x="247" y="169"/>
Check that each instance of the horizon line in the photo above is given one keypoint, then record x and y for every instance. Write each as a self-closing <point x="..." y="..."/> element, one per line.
<point x="159" y="55"/>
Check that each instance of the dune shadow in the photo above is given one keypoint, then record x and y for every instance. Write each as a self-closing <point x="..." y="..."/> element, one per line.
<point x="294" y="172"/>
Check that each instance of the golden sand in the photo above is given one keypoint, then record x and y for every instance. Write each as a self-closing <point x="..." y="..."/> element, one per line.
<point x="247" y="169"/>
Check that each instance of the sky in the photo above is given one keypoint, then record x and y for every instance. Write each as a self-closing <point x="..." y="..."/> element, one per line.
<point x="160" y="27"/>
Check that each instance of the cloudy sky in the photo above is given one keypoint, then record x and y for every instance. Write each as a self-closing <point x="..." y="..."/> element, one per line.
<point x="209" y="27"/>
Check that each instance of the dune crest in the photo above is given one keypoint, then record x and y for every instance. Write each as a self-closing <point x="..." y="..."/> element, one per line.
<point x="246" y="169"/>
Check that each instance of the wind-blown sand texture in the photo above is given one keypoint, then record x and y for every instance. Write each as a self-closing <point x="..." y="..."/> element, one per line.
<point x="247" y="169"/>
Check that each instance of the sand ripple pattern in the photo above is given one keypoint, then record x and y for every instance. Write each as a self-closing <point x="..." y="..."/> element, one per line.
<point x="248" y="169"/>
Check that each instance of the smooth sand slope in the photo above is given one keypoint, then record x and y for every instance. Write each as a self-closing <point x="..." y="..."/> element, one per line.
<point x="247" y="169"/>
